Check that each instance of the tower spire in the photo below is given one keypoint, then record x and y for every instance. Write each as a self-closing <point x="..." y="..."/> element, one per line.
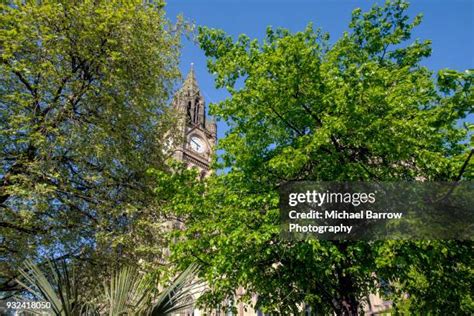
<point x="190" y="83"/>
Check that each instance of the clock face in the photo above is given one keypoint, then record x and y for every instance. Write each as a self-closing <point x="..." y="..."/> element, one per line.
<point x="197" y="144"/>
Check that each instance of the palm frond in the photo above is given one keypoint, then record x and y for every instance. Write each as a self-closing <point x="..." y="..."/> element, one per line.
<point x="60" y="289"/>
<point x="178" y="296"/>
<point x="127" y="293"/>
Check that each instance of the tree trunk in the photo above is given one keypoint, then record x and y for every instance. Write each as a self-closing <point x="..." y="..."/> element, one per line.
<point x="346" y="304"/>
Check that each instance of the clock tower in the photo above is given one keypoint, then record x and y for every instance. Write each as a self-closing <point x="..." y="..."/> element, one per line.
<point x="198" y="134"/>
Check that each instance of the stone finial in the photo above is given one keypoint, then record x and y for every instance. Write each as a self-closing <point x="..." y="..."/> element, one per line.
<point x="211" y="126"/>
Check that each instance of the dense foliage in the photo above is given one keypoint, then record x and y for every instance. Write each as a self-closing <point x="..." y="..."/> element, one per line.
<point x="84" y="91"/>
<point x="84" y="176"/>
<point x="302" y="108"/>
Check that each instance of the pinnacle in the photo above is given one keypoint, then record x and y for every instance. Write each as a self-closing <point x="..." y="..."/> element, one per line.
<point x="190" y="83"/>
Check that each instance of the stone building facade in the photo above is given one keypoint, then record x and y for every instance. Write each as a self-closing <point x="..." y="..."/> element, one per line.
<point x="198" y="133"/>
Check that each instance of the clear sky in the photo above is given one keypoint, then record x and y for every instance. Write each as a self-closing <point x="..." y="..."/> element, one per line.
<point x="448" y="23"/>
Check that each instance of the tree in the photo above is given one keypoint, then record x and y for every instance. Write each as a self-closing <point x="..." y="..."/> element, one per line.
<point x="84" y="97"/>
<point x="300" y="108"/>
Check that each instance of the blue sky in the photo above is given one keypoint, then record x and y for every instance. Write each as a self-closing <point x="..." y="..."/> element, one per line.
<point x="448" y="23"/>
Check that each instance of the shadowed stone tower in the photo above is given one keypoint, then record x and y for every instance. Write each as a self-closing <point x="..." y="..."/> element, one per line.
<point x="198" y="132"/>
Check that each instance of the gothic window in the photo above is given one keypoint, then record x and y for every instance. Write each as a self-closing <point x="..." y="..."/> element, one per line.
<point x="204" y="121"/>
<point x="189" y="111"/>
<point x="196" y="111"/>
